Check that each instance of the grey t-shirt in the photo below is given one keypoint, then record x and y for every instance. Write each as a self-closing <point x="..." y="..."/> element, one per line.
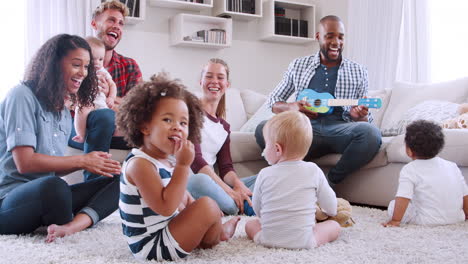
<point x="25" y="122"/>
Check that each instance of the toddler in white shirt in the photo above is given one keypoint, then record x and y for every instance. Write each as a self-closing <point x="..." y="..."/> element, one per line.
<point x="431" y="190"/>
<point x="286" y="193"/>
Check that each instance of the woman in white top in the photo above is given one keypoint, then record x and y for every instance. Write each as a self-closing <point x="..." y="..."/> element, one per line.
<point x="231" y="193"/>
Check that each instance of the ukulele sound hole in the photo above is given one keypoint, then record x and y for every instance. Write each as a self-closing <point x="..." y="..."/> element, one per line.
<point x="317" y="102"/>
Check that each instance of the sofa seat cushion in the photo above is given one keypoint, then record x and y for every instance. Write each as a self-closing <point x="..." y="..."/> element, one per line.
<point x="244" y="147"/>
<point x="455" y="148"/>
<point x="379" y="160"/>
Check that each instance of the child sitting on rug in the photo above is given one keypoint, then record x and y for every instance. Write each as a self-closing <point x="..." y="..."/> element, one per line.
<point x="431" y="190"/>
<point x="159" y="218"/>
<point x="286" y="193"/>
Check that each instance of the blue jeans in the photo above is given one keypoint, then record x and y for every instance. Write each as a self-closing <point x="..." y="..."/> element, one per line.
<point x="50" y="200"/>
<point x="202" y="185"/>
<point x="100" y="127"/>
<point x="358" y="142"/>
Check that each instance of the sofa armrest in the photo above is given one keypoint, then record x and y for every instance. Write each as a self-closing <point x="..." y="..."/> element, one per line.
<point x="244" y="147"/>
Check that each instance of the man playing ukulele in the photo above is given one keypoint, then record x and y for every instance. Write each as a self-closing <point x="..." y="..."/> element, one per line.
<point x="347" y="129"/>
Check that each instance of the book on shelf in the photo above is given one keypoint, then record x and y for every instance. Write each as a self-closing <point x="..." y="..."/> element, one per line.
<point x="279" y="11"/>
<point x="214" y="35"/>
<point x="291" y="27"/>
<point x="303" y="29"/>
<point x="241" y="6"/>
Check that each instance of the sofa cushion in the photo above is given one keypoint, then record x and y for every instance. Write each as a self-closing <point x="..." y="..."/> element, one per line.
<point x="379" y="160"/>
<point x="263" y="113"/>
<point x="406" y="95"/>
<point x="378" y="113"/>
<point x="432" y="110"/>
<point x="455" y="148"/>
<point x="235" y="111"/>
<point x="252" y="101"/>
<point x="244" y="147"/>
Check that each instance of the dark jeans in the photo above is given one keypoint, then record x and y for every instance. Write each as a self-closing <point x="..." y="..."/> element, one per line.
<point x="358" y="142"/>
<point x="50" y="200"/>
<point x="100" y="127"/>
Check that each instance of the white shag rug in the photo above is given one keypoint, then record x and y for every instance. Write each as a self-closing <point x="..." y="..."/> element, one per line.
<point x="365" y="242"/>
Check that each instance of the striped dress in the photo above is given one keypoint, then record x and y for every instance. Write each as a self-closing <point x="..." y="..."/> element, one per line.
<point x="147" y="232"/>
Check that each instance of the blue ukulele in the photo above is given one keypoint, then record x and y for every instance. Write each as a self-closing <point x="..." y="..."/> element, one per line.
<point x="324" y="102"/>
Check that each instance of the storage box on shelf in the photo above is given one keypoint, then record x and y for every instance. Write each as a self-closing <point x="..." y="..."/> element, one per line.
<point x="183" y="5"/>
<point x="213" y="32"/>
<point x="238" y="9"/>
<point x="287" y="22"/>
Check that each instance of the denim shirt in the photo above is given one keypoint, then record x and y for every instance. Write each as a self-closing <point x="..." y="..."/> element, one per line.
<point x="25" y="122"/>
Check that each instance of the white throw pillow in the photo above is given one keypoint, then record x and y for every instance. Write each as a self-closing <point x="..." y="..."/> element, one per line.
<point x="432" y="110"/>
<point x="263" y="113"/>
<point x="406" y="95"/>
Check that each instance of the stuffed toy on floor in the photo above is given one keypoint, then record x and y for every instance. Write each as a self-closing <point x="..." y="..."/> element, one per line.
<point x="460" y="121"/>
<point x="343" y="215"/>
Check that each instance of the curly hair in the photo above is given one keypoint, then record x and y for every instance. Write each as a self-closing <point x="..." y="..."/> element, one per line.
<point x="424" y="138"/>
<point x="141" y="101"/>
<point x="44" y="75"/>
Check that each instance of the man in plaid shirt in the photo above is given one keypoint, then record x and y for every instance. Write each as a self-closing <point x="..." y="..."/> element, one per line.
<point x="108" y="22"/>
<point x="347" y="130"/>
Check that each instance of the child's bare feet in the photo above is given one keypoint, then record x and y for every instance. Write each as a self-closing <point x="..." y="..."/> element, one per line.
<point x="78" y="139"/>
<point x="55" y="231"/>
<point x="229" y="228"/>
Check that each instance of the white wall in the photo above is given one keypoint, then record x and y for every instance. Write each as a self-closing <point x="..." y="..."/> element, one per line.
<point x="255" y="64"/>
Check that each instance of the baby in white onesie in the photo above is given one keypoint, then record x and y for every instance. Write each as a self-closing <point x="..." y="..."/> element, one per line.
<point x="431" y="190"/>
<point x="286" y="193"/>
<point x="105" y="97"/>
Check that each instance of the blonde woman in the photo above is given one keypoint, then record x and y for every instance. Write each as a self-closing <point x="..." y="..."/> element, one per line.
<point x="231" y="193"/>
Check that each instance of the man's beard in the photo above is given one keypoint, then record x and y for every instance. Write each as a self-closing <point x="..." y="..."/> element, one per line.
<point x="324" y="51"/>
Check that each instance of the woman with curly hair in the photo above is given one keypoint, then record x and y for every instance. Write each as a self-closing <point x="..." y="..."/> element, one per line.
<point x="35" y="125"/>
<point x="159" y="217"/>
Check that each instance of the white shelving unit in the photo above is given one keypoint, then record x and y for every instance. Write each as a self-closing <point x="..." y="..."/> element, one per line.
<point x="131" y="19"/>
<point x="183" y="5"/>
<point x="183" y="25"/>
<point x="220" y="8"/>
<point x="300" y="11"/>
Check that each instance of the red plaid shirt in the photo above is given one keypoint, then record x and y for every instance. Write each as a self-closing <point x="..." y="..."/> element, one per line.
<point x="124" y="71"/>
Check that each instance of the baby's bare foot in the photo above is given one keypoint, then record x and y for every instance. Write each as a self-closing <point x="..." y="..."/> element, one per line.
<point x="229" y="228"/>
<point x="55" y="231"/>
